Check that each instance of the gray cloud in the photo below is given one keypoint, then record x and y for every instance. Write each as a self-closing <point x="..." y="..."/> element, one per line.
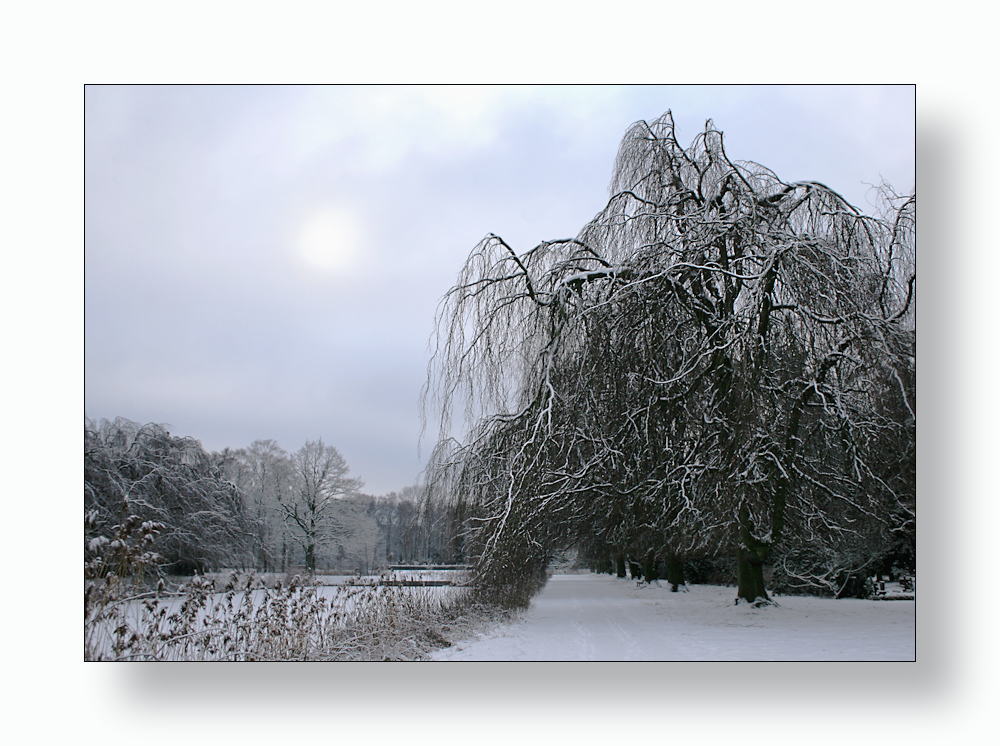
<point x="201" y="313"/>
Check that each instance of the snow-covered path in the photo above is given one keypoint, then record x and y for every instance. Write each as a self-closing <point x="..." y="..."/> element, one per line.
<point x="599" y="617"/>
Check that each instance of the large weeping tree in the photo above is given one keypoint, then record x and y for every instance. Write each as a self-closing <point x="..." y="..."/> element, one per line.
<point x="719" y="362"/>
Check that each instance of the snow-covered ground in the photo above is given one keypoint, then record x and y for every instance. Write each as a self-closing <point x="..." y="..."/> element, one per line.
<point x="599" y="617"/>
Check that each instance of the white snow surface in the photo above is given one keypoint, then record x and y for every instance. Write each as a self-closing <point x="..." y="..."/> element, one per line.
<point x="603" y="618"/>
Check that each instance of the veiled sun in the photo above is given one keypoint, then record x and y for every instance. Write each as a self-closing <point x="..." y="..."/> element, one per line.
<point x="329" y="240"/>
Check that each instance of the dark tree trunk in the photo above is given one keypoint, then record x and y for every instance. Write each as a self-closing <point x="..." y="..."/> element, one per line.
<point x="601" y="562"/>
<point x="750" y="556"/>
<point x="675" y="571"/>
<point x="620" y="565"/>
<point x="311" y="558"/>
<point x="649" y="567"/>
<point x="750" y="575"/>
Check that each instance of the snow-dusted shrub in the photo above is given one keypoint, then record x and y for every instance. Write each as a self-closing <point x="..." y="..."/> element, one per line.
<point x="703" y="569"/>
<point x="813" y="572"/>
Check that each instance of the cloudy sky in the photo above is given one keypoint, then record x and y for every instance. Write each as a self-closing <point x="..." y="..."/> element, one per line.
<point x="265" y="262"/>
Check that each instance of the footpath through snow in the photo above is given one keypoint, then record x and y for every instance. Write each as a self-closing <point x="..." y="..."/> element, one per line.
<point x="602" y="618"/>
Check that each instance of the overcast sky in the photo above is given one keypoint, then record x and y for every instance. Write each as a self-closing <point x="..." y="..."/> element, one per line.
<point x="265" y="262"/>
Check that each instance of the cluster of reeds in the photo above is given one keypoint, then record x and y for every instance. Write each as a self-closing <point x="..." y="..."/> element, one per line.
<point x="247" y="621"/>
<point x="130" y="613"/>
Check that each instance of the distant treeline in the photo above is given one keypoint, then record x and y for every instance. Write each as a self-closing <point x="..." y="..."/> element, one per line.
<point x="259" y="508"/>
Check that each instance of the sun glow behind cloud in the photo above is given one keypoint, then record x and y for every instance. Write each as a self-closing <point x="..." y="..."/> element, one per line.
<point x="330" y="240"/>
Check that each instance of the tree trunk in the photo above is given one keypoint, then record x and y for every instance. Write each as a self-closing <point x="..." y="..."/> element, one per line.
<point x="750" y="555"/>
<point x="675" y="571"/>
<point x="649" y="567"/>
<point x="750" y="575"/>
<point x="620" y="565"/>
<point x="311" y="558"/>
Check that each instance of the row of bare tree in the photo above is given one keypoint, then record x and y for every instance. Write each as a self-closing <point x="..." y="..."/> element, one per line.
<point x="259" y="507"/>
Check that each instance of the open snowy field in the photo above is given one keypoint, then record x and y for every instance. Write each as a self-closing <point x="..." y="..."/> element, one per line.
<point x="603" y="618"/>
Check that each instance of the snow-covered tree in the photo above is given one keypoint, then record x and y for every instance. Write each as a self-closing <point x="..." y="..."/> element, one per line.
<point x="143" y="471"/>
<point x="310" y="508"/>
<point x="264" y="472"/>
<point x="719" y="361"/>
<point x="418" y="528"/>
